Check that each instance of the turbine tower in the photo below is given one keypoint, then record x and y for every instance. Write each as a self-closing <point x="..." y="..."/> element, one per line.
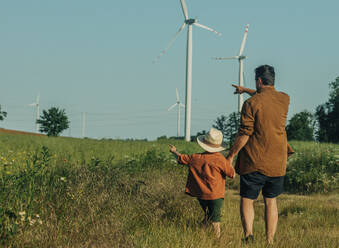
<point x="240" y="58"/>
<point x="179" y="104"/>
<point x="189" y="22"/>
<point x="37" y="105"/>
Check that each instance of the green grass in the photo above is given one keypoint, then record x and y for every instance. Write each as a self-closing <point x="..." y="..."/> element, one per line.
<point x="90" y="193"/>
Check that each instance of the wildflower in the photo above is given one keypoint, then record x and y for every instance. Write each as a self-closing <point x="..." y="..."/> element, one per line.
<point x="38" y="216"/>
<point x="63" y="179"/>
<point x="31" y="221"/>
<point x="40" y="222"/>
<point x="22" y="213"/>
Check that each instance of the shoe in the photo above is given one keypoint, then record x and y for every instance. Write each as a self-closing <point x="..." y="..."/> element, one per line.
<point x="248" y="240"/>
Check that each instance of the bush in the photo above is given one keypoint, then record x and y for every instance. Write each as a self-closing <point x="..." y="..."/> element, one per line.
<point x="313" y="170"/>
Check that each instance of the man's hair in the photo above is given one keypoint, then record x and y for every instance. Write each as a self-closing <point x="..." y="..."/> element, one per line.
<point x="266" y="73"/>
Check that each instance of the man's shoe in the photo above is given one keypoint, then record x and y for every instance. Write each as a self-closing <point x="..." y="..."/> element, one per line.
<point x="248" y="240"/>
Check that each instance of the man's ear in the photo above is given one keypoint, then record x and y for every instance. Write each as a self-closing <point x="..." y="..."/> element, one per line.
<point x="260" y="82"/>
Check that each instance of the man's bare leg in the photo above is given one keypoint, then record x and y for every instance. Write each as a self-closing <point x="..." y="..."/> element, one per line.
<point x="271" y="218"/>
<point x="247" y="215"/>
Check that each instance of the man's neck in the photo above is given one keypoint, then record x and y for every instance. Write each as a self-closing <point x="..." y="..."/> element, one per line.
<point x="263" y="87"/>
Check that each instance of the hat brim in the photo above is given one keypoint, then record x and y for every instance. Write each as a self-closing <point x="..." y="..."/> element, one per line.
<point x="206" y="147"/>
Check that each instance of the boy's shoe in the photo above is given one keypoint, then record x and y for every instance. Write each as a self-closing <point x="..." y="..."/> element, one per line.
<point x="248" y="240"/>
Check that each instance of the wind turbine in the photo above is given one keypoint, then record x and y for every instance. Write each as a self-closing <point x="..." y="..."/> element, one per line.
<point x="240" y="58"/>
<point x="179" y="104"/>
<point x="189" y="22"/>
<point x="37" y="105"/>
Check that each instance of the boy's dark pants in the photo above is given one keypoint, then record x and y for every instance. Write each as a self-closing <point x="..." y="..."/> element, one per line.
<point x="212" y="209"/>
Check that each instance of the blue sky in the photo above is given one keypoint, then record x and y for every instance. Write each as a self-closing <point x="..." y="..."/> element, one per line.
<point x="96" y="57"/>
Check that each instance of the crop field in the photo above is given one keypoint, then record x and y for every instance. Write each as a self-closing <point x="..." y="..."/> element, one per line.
<point x="66" y="192"/>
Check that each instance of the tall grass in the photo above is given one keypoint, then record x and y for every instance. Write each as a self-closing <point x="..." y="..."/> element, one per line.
<point x="58" y="192"/>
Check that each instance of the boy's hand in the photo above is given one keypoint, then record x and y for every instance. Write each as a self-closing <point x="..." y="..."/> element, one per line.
<point x="173" y="148"/>
<point x="230" y="163"/>
<point x="233" y="175"/>
<point x="238" y="89"/>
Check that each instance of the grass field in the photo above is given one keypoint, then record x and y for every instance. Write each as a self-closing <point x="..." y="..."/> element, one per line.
<point x="64" y="192"/>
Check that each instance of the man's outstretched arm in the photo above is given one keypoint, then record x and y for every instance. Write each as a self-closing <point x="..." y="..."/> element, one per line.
<point x="240" y="90"/>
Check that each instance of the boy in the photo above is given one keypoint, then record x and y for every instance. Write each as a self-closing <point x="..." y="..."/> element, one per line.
<point x="207" y="174"/>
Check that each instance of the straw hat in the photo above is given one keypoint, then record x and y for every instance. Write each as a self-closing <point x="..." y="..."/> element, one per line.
<point x="212" y="141"/>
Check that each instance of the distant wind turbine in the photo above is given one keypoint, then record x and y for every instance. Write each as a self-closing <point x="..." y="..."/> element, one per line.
<point x="240" y="58"/>
<point x="179" y="104"/>
<point x="37" y="105"/>
<point x="188" y="21"/>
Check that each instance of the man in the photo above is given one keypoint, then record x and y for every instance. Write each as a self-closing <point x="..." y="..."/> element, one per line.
<point x="262" y="146"/>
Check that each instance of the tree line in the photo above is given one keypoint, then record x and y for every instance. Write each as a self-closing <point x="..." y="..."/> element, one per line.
<point x="322" y="126"/>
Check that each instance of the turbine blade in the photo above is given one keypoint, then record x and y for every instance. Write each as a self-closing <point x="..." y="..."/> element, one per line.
<point x="176" y="89"/>
<point x="32" y="104"/>
<point x="182" y="105"/>
<point x="227" y="58"/>
<point x="244" y="40"/>
<point x="207" y="28"/>
<point x="170" y="44"/>
<point x="38" y="99"/>
<point x="184" y="9"/>
<point x="172" y="107"/>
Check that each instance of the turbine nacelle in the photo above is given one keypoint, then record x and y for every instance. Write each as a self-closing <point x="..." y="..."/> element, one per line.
<point x="191" y="21"/>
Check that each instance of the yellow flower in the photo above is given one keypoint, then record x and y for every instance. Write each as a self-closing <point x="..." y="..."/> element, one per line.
<point x="22" y="213"/>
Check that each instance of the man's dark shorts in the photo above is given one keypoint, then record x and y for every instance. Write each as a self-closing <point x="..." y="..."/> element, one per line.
<point x="252" y="183"/>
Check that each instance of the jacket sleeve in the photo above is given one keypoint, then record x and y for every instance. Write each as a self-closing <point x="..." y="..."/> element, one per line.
<point x="184" y="159"/>
<point x="246" y="120"/>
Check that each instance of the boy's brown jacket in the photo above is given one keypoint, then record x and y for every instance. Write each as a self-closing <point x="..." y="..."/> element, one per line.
<point x="206" y="175"/>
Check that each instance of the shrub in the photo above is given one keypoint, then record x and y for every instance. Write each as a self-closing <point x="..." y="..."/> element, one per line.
<point x="313" y="170"/>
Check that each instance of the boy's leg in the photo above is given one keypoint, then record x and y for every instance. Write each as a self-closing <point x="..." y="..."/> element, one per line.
<point x="214" y="214"/>
<point x="203" y="204"/>
<point x="216" y="228"/>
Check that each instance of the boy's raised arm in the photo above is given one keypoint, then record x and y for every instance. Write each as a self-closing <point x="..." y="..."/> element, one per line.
<point x="174" y="150"/>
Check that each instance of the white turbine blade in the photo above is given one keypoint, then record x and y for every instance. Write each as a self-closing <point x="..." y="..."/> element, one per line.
<point x="32" y="104"/>
<point x="244" y="40"/>
<point x="38" y="99"/>
<point x="184" y="9"/>
<point x="170" y="44"/>
<point x="172" y="107"/>
<point x="226" y="58"/>
<point x="207" y="28"/>
<point x="182" y="105"/>
<point x="176" y="89"/>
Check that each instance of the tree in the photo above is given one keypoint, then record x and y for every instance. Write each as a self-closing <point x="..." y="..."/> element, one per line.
<point x="301" y="127"/>
<point x="3" y="114"/>
<point x="327" y="116"/>
<point x="53" y="121"/>
<point x="228" y="126"/>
